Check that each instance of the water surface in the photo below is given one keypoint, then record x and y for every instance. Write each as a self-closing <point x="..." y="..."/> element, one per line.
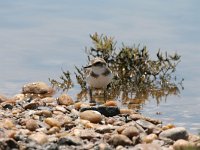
<point x="38" y="38"/>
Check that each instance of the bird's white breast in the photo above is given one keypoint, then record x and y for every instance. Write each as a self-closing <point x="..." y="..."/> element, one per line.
<point x="100" y="82"/>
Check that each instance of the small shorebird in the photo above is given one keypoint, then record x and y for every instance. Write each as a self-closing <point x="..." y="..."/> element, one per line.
<point x="98" y="75"/>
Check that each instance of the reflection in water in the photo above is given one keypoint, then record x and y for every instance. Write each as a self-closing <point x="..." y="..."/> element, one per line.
<point x="136" y="76"/>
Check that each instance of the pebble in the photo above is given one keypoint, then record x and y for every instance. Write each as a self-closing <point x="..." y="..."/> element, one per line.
<point x="52" y="122"/>
<point x="119" y="139"/>
<point x="91" y="115"/>
<point x="130" y="131"/>
<point x="150" y="138"/>
<point x="37" y="88"/>
<point x="183" y="145"/>
<point x="39" y="137"/>
<point x="8" y="124"/>
<point x="147" y="147"/>
<point x="65" y="99"/>
<point x="32" y="105"/>
<point x="31" y="124"/>
<point x="145" y="124"/>
<point x="53" y="130"/>
<point x="174" y="134"/>
<point x="86" y="133"/>
<point x="3" y="98"/>
<point x="110" y="103"/>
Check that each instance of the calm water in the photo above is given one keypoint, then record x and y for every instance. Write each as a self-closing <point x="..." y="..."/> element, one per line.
<point x="38" y="38"/>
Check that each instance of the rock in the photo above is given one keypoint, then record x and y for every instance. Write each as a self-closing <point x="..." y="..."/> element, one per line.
<point x="9" y="144"/>
<point x="37" y="88"/>
<point x="45" y="113"/>
<point x="103" y="146"/>
<point x="86" y="134"/>
<point x="108" y="111"/>
<point x="126" y="111"/>
<point x="91" y="115"/>
<point x="3" y="98"/>
<point x="119" y="139"/>
<point x="31" y="124"/>
<point x="39" y="137"/>
<point x="7" y="105"/>
<point x="110" y="103"/>
<point x="32" y="105"/>
<point x="77" y="105"/>
<point x="104" y="129"/>
<point x="147" y="147"/>
<point x="53" y="130"/>
<point x="130" y="131"/>
<point x="60" y="108"/>
<point x="8" y="124"/>
<point x="69" y="140"/>
<point x="52" y="122"/>
<point x="65" y="99"/>
<point x="183" y="145"/>
<point x="174" y="134"/>
<point x="149" y="138"/>
<point x="145" y="124"/>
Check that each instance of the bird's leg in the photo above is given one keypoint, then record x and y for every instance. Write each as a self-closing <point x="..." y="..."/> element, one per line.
<point x="104" y="95"/>
<point x="90" y="94"/>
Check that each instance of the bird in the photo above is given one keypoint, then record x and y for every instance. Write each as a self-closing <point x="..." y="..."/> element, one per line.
<point x="98" y="75"/>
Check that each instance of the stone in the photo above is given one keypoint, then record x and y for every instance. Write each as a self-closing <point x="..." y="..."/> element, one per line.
<point x="3" y="98"/>
<point x="110" y="103"/>
<point x="31" y="124"/>
<point x="32" y="105"/>
<point x="53" y="130"/>
<point x="65" y="99"/>
<point x="103" y="146"/>
<point x="69" y="140"/>
<point x="183" y="145"/>
<point x="149" y="138"/>
<point x="130" y="131"/>
<point x="91" y="115"/>
<point x="174" y="134"/>
<point x="39" y="138"/>
<point x="11" y="144"/>
<point x="52" y="122"/>
<point x="104" y="129"/>
<point x="37" y="88"/>
<point x="147" y="147"/>
<point x="145" y="124"/>
<point x="108" y="111"/>
<point x="119" y="139"/>
<point x="86" y="133"/>
<point x="77" y="105"/>
<point x="45" y="113"/>
<point x="8" y="124"/>
<point x="126" y="111"/>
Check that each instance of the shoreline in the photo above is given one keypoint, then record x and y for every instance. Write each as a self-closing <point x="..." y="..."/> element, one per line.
<point x="35" y="119"/>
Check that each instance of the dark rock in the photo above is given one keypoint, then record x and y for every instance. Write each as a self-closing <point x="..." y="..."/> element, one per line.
<point x="107" y="111"/>
<point x="51" y="146"/>
<point x="174" y="134"/>
<point x="69" y="140"/>
<point x="8" y="144"/>
<point x="7" y="106"/>
<point x="31" y="106"/>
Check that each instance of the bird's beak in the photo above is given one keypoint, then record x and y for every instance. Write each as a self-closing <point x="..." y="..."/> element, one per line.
<point x="88" y="66"/>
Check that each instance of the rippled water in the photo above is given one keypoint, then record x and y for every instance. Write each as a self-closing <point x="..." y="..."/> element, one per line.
<point x="38" y="38"/>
